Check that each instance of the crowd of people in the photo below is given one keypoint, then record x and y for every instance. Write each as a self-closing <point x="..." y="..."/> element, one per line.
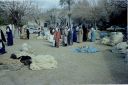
<point x="64" y="35"/>
<point x="67" y="35"/>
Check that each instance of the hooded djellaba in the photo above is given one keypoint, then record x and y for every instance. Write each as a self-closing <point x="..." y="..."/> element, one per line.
<point x="9" y="36"/>
<point x="74" y="34"/>
<point x="70" y="35"/>
<point x="2" y="40"/>
<point x="28" y="33"/>
<point x="85" y="33"/>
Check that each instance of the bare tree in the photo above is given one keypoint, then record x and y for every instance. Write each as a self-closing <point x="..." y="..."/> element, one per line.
<point x="94" y="11"/>
<point x="3" y="13"/>
<point x="86" y="10"/>
<point x="81" y="10"/>
<point x="62" y="16"/>
<point x="36" y="14"/>
<point x="68" y="3"/>
<point x="16" y="11"/>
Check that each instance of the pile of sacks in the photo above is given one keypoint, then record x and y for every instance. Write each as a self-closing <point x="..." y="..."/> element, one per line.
<point x="115" y="38"/>
<point x="121" y="48"/>
<point x="38" y="61"/>
<point x="105" y="40"/>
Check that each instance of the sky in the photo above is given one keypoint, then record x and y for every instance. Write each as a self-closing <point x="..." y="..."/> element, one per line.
<point x="45" y="4"/>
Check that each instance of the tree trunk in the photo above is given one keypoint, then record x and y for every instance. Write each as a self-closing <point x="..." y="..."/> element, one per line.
<point x="69" y="15"/>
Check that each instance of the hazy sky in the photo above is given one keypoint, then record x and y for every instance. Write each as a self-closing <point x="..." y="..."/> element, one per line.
<point x="46" y="4"/>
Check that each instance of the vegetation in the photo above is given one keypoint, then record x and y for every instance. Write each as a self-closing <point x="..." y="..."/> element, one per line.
<point x="101" y="13"/>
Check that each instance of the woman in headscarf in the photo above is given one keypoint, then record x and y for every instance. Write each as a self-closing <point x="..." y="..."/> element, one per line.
<point x="2" y="39"/>
<point x="9" y="36"/>
<point x="80" y="35"/>
<point x="57" y="37"/>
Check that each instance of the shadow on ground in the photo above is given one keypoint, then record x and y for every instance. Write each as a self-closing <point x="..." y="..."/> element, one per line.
<point x="117" y="66"/>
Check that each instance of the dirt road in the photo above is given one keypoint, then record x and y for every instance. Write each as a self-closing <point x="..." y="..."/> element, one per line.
<point x="102" y="67"/>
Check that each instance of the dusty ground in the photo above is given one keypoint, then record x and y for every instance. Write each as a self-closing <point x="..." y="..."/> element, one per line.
<point x="103" y="67"/>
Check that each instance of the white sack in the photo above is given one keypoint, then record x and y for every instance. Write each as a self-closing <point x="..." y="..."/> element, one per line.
<point x="116" y="38"/>
<point x="105" y="40"/>
<point x="120" y="48"/>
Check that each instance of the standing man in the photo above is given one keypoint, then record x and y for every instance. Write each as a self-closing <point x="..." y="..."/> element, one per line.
<point x="77" y="33"/>
<point x="65" y="36"/>
<point x="39" y="31"/>
<point x="28" y="33"/>
<point x="71" y="31"/>
<point x="85" y="33"/>
<point x="70" y="36"/>
<point x="9" y="36"/>
<point x="93" y="35"/>
<point x="2" y="39"/>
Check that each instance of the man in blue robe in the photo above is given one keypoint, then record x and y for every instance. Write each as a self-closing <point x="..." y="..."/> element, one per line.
<point x="9" y="36"/>
<point x="2" y="39"/>
<point x="93" y="35"/>
<point x="74" y="34"/>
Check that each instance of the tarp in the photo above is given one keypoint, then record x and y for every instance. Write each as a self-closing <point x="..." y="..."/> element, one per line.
<point x="103" y="34"/>
<point x="86" y="49"/>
